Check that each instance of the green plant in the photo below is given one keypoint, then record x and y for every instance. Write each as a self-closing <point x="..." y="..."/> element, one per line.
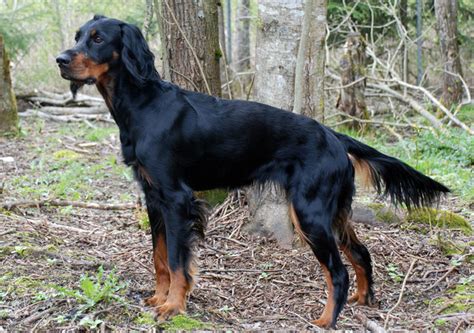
<point x="93" y="290"/>
<point x="90" y="323"/>
<point x="145" y="318"/>
<point x="393" y="272"/>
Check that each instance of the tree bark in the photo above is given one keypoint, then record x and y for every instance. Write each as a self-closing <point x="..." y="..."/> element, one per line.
<point x="243" y="36"/>
<point x="353" y="70"/>
<point x="314" y="97"/>
<point x="446" y="17"/>
<point x="419" y="41"/>
<point x="8" y="108"/>
<point x="190" y="39"/>
<point x="279" y="35"/>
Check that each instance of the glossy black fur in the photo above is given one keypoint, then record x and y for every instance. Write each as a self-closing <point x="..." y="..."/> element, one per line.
<point x="180" y="141"/>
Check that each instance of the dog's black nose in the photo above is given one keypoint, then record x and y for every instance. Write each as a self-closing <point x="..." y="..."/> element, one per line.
<point x="63" y="59"/>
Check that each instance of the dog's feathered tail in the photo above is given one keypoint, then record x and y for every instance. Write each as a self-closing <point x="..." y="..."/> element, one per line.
<point x="391" y="177"/>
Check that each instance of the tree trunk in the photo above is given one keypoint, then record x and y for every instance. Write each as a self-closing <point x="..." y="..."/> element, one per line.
<point x="316" y="63"/>
<point x="242" y="61"/>
<point x="8" y="109"/>
<point x="419" y="41"/>
<point x="403" y="13"/>
<point x="353" y="70"/>
<point x="190" y="44"/>
<point x="446" y="17"/>
<point x="278" y="34"/>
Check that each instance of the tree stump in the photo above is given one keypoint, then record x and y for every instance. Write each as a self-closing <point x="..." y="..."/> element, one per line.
<point x="8" y="108"/>
<point x="353" y="69"/>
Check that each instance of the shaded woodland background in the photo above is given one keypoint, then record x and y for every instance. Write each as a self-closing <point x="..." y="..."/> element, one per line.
<point x="397" y="74"/>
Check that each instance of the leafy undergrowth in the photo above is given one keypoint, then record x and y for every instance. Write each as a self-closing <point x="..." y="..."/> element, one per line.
<point x="73" y="269"/>
<point x="448" y="157"/>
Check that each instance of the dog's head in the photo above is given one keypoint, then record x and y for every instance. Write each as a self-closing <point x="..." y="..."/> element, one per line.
<point x="104" y="45"/>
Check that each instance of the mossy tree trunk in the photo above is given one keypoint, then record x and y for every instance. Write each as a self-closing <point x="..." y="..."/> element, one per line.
<point x="8" y="108"/>
<point x="446" y="17"/>
<point x="353" y="70"/>
<point x="190" y="43"/>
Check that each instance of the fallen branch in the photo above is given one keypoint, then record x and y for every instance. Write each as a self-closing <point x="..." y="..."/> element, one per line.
<point x="369" y="324"/>
<point x="65" y="118"/>
<point x="403" y="98"/>
<point x="440" y="279"/>
<point x="437" y="103"/>
<point x="60" y="203"/>
<point x="401" y="293"/>
<point x="59" y="111"/>
<point x="375" y="122"/>
<point x="410" y="101"/>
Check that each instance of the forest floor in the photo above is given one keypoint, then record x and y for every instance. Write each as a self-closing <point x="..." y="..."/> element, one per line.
<point x="76" y="268"/>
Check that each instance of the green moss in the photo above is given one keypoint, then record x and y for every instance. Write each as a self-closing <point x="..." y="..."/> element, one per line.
<point x="9" y="115"/>
<point x="142" y="217"/>
<point x="450" y="247"/>
<point x="383" y="213"/>
<point x="65" y="154"/>
<point x="182" y="322"/>
<point x="145" y="318"/>
<point x="213" y="197"/>
<point x="439" y="218"/>
<point x="218" y="53"/>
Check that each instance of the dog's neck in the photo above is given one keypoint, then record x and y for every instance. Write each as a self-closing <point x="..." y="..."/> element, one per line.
<point x="109" y="85"/>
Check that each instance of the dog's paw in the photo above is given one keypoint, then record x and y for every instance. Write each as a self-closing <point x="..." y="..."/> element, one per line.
<point x="155" y="300"/>
<point x="168" y="310"/>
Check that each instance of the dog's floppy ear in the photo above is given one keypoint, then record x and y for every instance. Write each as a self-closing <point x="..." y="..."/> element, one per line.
<point x="137" y="57"/>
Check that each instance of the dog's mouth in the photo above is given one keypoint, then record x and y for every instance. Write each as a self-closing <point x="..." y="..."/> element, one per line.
<point x="68" y="76"/>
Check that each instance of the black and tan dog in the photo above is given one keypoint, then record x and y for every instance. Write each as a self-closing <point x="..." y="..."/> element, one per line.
<point x="179" y="141"/>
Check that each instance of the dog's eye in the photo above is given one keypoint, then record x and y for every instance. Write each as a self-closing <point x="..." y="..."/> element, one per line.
<point x="97" y="39"/>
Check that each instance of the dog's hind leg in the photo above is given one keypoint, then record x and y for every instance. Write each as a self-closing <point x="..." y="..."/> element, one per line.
<point x="315" y="217"/>
<point x="358" y="256"/>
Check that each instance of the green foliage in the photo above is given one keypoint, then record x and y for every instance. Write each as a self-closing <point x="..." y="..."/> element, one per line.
<point x="93" y="290"/>
<point x="446" y="157"/>
<point x="184" y="323"/>
<point x="100" y="133"/>
<point x="90" y="323"/>
<point x="393" y="272"/>
<point x="143" y="221"/>
<point x="145" y="318"/>
<point x="12" y="28"/>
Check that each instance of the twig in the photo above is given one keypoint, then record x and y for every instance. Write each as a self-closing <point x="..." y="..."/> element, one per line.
<point x="369" y="324"/>
<point x="440" y="279"/>
<point x="89" y="205"/>
<point x="401" y="293"/>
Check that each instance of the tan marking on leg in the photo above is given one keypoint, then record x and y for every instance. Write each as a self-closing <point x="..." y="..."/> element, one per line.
<point x="162" y="274"/>
<point x="360" y="296"/>
<point x="176" y="301"/>
<point x="325" y="320"/>
<point x="296" y="224"/>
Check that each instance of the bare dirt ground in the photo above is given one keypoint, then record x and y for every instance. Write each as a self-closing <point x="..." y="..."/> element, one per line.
<point x="245" y="282"/>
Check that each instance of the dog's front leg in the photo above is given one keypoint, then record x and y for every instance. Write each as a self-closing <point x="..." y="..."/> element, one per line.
<point x="177" y="208"/>
<point x="160" y="252"/>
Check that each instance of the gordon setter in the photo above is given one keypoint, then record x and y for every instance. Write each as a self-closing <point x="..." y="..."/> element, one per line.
<point x="178" y="141"/>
